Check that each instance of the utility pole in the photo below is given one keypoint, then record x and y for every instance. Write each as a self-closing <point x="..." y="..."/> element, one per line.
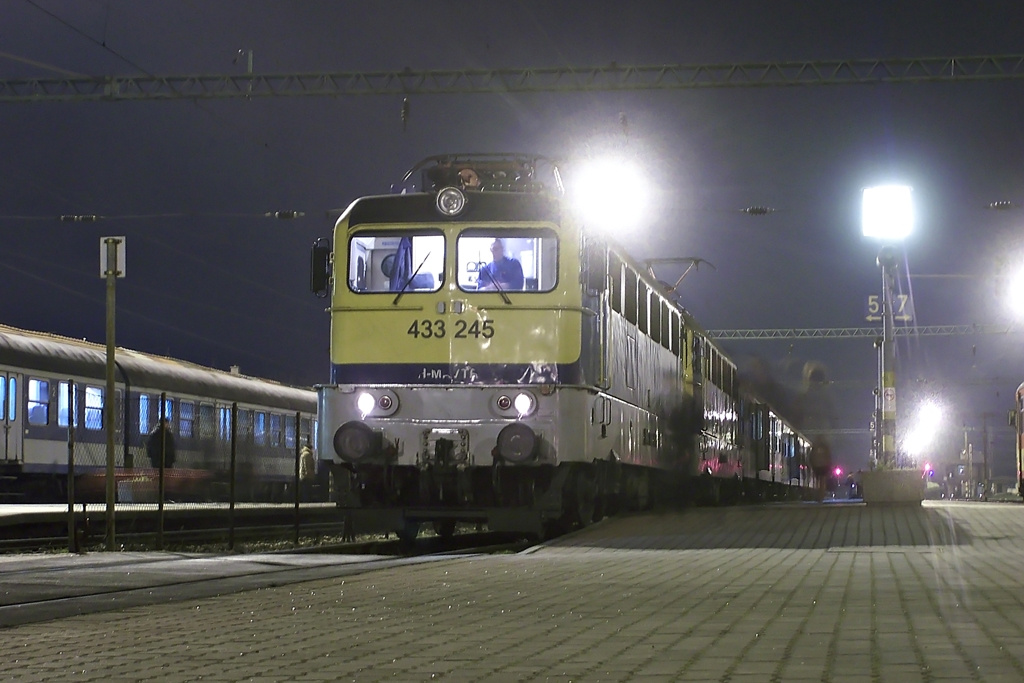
<point x="111" y="268"/>
<point x="984" y="454"/>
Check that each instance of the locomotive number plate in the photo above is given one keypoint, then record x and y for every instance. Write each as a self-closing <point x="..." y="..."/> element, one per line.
<point x="438" y="328"/>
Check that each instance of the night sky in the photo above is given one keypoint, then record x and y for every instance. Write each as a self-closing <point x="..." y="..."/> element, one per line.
<point x="212" y="280"/>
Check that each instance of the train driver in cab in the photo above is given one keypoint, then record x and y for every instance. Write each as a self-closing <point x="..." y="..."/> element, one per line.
<point x="469" y="179"/>
<point x="502" y="273"/>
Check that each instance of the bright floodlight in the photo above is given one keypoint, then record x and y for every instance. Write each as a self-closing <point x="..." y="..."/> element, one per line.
<point x="609" y="194"/>
<point x="1015" y="296"/>
<point x="920" y="437"/>
<point x="887" y="212"/>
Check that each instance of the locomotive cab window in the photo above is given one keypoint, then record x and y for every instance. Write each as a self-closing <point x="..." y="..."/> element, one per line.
<point x="507" y="260"/>
<point x="395" y="261"/>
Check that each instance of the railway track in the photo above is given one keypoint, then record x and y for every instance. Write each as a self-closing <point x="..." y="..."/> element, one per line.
<point x="315" y="529"/>
<point x="54" y="586"/>
<point x="175" y="527"/>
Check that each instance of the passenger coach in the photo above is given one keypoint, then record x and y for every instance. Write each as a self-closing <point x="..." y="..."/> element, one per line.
<point x="38" y="372"/>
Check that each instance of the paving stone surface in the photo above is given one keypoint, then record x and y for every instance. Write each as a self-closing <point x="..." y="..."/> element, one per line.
<point x="798" y="592"/>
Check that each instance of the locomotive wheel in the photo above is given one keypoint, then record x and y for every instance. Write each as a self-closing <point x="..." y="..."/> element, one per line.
<point x="409" y="532"/>
<point x="445" y="528"/>
<point x="643" y="490"/>
<point x="583" y="496"/>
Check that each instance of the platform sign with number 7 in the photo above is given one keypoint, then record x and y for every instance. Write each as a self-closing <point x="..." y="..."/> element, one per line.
<point x="901" y="310"/>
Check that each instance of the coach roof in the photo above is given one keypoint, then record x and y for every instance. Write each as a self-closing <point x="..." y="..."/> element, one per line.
<point x="62" y="356"/>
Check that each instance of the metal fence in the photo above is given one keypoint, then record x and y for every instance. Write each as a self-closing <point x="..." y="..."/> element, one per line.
<point x="178" y="466"/>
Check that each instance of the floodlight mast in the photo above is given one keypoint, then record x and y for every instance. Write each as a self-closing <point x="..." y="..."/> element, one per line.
<point x="888" y="215"/>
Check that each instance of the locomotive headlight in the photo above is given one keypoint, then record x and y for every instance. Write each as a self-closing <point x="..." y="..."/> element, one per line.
<point x="377" y="403"/>
<point x="515" y="405"/>
<point x="525" y="404"/>
<point x="365" y="403"/>
<point x="451" y="201"/>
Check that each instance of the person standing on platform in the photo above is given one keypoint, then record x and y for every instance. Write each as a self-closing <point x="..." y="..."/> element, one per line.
<point x="160" y="445"/>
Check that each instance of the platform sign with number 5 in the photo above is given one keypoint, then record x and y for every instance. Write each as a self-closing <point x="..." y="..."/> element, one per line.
<point x="901" y="308"/>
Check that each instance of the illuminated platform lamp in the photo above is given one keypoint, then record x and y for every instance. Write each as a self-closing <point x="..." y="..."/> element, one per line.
<point x="887" y="214"/>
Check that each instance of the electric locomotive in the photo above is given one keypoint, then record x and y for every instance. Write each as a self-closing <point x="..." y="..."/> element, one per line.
<point x="573" y="387"/>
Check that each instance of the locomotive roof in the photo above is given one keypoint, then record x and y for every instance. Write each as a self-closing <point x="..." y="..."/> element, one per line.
<point x="56" y="355"/>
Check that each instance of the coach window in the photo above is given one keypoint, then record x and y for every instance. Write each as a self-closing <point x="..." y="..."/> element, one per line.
<point x="289" y="431"/>
<point x="38" y="402"/>
<point x="630" y="295"/>
<point x="93" y="408"/>
<point x="7" y="402"/>
<point x="143" y="414"/>
<point x="393" y="261"/>
<point x="260" y="428"/>
<point x="245" y="425"/>
<point x="186" y="418"/>
<point x="224" y="423"/>
<point x="307" y="428"/>
<point x="666" y="328"/>
<point x="656" y="318"/>
<point x="533" y="251"/>
<point x="275" y="430"/>
<point x="12" y="402"/>
<point x="63" y="404"/>
<point x="207" y="422"/>
<point x="684" y="350"/>
<point x="615" y="270"/>
<point x="707" y="360"/>
<point x="674" y="332"/>
<point x="643" y="298"/>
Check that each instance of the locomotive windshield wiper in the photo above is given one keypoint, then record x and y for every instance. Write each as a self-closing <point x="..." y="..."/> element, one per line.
<point x="409" y="281"/>
<point x="504" y="296"/>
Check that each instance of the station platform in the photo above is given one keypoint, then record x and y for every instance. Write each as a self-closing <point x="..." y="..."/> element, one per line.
<point x="783" y="592"/>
